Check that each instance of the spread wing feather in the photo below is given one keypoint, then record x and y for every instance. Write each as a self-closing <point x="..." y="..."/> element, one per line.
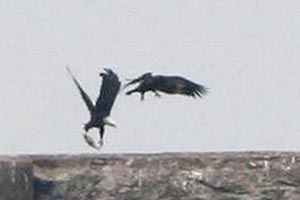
<point x="83" y="94"/>
<point x="193" y="89"/>
<point x="178" y="85"/>
<point x="108" y="92"/>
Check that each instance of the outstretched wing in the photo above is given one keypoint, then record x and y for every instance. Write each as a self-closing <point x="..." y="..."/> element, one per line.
<point x="179" y="85"/>
<point x="83" y="94"/>
<point x="190" y="88"/>
<point x="108" y="92"/>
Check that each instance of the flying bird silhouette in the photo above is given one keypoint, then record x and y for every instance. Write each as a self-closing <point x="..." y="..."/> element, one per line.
<point x="167" y="84"/>
<point x="100" y="111"/>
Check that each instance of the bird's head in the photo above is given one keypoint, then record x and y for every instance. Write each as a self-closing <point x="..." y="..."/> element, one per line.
<point x="106" y="72"/>
<point x="147" y="75"/>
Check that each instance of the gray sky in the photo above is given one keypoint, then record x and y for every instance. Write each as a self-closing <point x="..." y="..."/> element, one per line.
<point x="246" y="52"/>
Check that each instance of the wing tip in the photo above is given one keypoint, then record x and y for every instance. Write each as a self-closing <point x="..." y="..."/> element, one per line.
<point x="201" y="91"/>
<point x="107" y="71"/>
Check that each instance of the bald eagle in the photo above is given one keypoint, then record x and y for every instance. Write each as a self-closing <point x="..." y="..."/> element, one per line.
<point x="167" y="84"/>
<point x="100" y="111"/>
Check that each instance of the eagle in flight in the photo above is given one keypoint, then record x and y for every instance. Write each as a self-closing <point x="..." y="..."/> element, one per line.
<point x="100" y="111"/>
<point x="167" y="84"/>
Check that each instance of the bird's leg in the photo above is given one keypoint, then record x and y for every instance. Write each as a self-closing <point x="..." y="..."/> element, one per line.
<point x="156" y="94"/>
<point x="142" y="96"/>
<point x="101" y="133"/>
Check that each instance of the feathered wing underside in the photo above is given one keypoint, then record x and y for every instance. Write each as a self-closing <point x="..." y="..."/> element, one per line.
<point x="108" y="92"/>
<point x="83" y="94"/>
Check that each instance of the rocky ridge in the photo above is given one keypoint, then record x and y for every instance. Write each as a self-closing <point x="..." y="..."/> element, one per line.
<point x="188" y="176"/>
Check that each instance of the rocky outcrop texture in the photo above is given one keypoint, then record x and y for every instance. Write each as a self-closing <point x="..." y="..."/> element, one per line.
<point x="15" y="178"/>
<point x="186" y="176"/>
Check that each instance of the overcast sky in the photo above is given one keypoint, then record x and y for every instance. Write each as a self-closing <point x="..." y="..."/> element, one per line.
<point x="246" y="52"/>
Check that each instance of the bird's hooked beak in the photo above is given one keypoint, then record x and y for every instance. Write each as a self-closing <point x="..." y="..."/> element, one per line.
<point x="108" y="121"/>
<point x="131" y="81"/>
<point x="89" y="140"/>
<point x="136" y="80"/>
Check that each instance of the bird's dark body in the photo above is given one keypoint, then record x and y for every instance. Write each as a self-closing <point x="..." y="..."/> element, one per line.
<point x="166" y="84"/>
<point x="173" y="84"/>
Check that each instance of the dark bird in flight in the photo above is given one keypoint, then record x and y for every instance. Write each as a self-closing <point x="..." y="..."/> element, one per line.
<point x="100" y="111"/>
<point x="167" y="84"/>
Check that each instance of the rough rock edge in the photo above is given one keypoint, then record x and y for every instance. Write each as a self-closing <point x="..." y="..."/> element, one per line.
<point x="197" y="176"/>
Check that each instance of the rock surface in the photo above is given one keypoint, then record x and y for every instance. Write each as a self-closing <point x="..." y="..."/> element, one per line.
<point x="15" y="178"/>
<point x="186" y="176"/>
